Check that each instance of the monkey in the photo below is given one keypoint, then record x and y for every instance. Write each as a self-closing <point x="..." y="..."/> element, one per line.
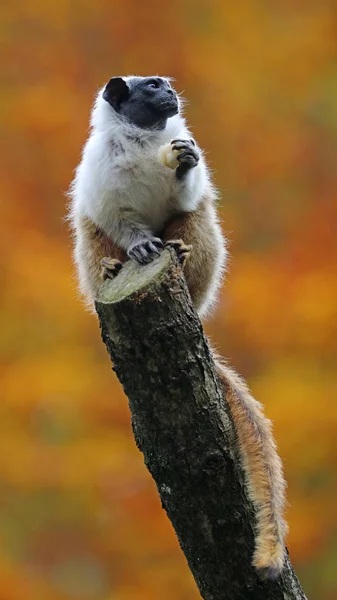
<point x="143" y="184"/>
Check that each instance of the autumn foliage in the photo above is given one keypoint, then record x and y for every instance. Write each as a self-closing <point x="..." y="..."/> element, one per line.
<point x="79" y="514"/>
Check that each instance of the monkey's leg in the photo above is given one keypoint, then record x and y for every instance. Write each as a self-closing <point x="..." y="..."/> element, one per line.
<point x="204" y="265"/>
<point x="91" y="247"/>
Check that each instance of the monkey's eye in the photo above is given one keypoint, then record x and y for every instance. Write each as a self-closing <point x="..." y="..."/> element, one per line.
<point x="153" y="84"/>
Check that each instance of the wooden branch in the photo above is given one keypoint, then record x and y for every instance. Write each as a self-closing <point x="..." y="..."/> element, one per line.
<point x="181" y="424"/>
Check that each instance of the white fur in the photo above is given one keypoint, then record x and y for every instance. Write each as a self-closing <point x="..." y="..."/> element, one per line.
<point x="122" y="186"/>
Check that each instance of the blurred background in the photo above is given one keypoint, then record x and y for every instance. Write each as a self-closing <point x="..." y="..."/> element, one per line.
<point x="79" y="514"/>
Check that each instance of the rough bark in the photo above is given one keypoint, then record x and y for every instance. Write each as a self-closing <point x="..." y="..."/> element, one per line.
<point x="182" y="425"/>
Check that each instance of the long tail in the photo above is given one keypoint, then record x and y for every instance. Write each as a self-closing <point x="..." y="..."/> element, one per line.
<point x="263" y="471"/>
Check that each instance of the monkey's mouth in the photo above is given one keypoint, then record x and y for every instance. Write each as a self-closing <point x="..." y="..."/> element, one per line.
<point x="169" y="108"/>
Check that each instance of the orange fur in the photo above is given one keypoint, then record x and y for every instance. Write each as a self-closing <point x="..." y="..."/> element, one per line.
<point x="263" y="470"/>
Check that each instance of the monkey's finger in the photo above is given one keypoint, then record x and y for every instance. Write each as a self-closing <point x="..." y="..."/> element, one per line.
<point x="110" y="267"/>
<point x="182" y="250"/>
<point x="186" y="151"/>
<point x="188" y="158"/>
<point x="139" y="254"/>
<point x="178" y="245"/>
<point x="111" y="263"/>
<point x="157" y="242"/>
<point x="143" y="259"/>
<point x="146" y="251"/>
<point x="181" y="141"/>
<point x="110" y="273"/>
<point x="152" y="248"/>
<point x="181" y="146"/>
<point x="175" y="244"/>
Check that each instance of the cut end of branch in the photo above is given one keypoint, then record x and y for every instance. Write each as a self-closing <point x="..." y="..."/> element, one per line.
<point x="133" y="279"/>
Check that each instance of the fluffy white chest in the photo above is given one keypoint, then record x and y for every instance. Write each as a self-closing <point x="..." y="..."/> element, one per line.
<point x="110" y="183"/>
<point x="146" y="187"/>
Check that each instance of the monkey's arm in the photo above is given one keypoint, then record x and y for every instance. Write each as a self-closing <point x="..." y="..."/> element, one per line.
<point x="135" y="236"/>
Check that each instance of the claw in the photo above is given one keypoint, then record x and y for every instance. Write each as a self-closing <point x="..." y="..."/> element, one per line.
<point x="153" y="248"/>
<point x="146" y="251"/>
<point x="183" y="142"/>
<point x="182" y="250"/>
<point x="110" y="267"/>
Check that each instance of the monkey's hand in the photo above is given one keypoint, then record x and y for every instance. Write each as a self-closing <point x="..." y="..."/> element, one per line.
<point x="146" y="250"/>
<point x="181" y="155"/>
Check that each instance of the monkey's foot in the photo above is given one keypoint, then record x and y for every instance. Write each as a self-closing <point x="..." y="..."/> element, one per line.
<point x="146" y="251"/>
<point x="182" y="250"/>
<point x="110" y="267"/>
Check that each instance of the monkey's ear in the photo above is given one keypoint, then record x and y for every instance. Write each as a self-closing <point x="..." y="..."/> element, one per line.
<point x="116" y="91"/>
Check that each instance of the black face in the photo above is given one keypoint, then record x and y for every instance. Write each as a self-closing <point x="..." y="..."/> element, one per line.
<point x="144" y="101"/>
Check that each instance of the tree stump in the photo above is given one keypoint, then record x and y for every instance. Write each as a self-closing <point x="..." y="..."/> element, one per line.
<point x="182" y="425"/>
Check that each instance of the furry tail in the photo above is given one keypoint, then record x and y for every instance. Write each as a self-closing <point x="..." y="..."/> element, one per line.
<point x="263" y="471"/>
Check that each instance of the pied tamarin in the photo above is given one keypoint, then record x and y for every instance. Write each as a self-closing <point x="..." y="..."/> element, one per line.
<point x="142" y="184"/>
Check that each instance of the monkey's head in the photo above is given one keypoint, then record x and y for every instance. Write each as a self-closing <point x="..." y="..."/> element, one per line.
<point x="146" y="102"/>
